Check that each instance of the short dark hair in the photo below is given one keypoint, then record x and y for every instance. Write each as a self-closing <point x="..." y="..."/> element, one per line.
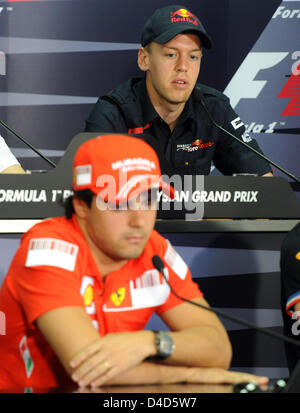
<point x="85" y="195"/>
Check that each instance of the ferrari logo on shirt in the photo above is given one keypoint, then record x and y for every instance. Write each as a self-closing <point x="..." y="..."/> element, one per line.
<point x="87" y="293"/>
<point x="148" y="290"/>
<point x="118" y="297"/>
<point x="88" y="296"/>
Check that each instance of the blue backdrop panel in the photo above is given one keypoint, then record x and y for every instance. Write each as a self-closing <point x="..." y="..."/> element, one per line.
<point x="57" y="57"/>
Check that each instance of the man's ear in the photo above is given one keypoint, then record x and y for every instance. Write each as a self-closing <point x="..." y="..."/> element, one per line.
<point x="80" y="207"/>
<point x="143" y="59"/>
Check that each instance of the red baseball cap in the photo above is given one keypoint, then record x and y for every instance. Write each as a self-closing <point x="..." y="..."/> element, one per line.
<point x="117" y="167"/>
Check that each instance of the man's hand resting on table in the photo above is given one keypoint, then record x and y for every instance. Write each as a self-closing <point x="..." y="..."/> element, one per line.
<point x="113" y="361"/>
<point x="111" y="356"/>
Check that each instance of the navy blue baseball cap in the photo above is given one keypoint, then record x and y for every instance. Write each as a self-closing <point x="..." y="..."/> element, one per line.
<point x="168" y="22"/>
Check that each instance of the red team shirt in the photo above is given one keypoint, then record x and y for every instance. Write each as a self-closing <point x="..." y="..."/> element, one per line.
<point x="54" y="268"/>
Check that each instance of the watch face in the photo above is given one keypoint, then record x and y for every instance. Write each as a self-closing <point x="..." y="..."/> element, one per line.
<point x="165" y="345"/>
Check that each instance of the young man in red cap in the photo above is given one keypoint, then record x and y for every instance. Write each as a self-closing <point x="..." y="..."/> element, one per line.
<point x="81" y="288"/>
<point x="166" y="105"/>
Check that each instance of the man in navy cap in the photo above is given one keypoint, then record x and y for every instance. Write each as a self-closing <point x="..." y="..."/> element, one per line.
<point x="166" y="106"/>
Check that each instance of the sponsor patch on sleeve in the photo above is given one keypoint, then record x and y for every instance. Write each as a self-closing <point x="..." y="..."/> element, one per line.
<point x="175" y="261"/>
<point x="294" y="299"/>
<point x="237" y="123"/>
<point x="26" y="356"/>
<point x="51" y="252"/>
<point x="246" y="137"/>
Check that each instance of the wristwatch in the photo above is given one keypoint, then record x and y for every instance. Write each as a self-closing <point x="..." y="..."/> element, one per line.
<point x="164" y="344"/>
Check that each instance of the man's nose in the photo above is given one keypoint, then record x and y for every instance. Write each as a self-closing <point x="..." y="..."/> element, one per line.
<point x="182" y="63"/>
<point x="137" y="217"/>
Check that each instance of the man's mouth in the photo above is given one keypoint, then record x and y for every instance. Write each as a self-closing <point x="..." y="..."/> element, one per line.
<point x="181" y="83"/>
<point x="135" y="239"/>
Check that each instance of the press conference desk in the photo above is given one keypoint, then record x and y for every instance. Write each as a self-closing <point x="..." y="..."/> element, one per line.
<point x="141" y="389"/>
<point x="36" y="196"/>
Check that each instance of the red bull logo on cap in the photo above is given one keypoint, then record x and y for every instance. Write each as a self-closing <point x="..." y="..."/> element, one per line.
<point x="183" y="15"/>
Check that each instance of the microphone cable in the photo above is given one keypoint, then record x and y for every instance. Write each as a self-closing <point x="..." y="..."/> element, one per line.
<point x="159" y="265"/>
<point x="203" y="103"/>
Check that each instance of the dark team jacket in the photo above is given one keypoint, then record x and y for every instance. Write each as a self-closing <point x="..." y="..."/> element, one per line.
<point x="194" y="143"/>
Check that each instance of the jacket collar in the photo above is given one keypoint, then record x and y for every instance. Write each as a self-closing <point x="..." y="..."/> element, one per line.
<point x="149" y="112"/>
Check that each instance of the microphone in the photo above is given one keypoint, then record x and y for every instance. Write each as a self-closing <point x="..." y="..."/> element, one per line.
<point x="27" y="143"/>
<point x="159" y="265"/>
<point x="203" y="103"/>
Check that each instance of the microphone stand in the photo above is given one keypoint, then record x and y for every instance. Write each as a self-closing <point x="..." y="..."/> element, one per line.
<point x="27" y="143"/>
<point x="202" y="100"/>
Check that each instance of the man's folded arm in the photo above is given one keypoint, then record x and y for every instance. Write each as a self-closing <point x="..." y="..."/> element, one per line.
<point x="68" y="329"/>
<point x="199" y="337"/>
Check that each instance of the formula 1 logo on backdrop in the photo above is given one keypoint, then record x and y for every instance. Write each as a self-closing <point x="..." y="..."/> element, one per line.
<point x="251" y="88"/>
<point x="265" y="90"/>
<point x="243" y="85"/>
<point x="266" y="87"/>
<point x="292" y="89"/>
